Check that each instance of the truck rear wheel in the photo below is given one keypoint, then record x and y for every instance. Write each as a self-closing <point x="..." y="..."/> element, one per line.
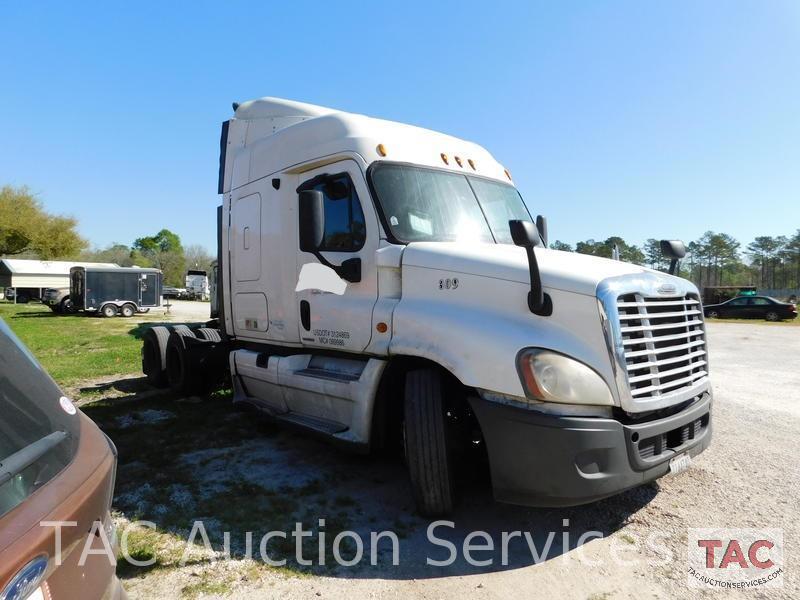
<point x="180" y="374"/>
<point x="108" y="310"/>
<point x="211" y="335"/>
<point x="154" y="355"/>
<point x="427" y="446"/>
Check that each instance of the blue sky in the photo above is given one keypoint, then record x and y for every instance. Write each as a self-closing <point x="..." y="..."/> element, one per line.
<point x="636" y="119"/>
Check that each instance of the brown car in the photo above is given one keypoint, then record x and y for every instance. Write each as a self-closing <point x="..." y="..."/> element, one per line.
<point x="56" y="466"/>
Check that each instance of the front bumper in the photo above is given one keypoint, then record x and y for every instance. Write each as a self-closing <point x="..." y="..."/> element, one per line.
<point x="546" y="460"/>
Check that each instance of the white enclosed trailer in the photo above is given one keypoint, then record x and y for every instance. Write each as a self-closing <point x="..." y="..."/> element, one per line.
<point x="383" y="284"/>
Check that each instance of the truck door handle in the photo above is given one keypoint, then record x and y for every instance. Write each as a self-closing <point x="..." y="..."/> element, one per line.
<point x="246" y="238"/>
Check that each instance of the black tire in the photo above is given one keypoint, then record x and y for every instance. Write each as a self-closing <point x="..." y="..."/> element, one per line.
<point x="127" y="310"/>
<point x="154" y="355"/>
<point x="427" y="445"/>
<point x="67" y="306"/>
<point x="211" y="335"/>
<point x="183" y="330"/>
<point x="108" y="310"/>
<point x="772" y="316"/>
<point x="23" y="299"/>
<point x="179" y="372"/>
<point x="712" y="314"/>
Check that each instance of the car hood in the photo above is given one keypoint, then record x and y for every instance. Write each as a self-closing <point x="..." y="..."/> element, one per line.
<point x="568" y="271"/>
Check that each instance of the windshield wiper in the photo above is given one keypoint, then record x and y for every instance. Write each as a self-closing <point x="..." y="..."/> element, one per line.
<point x="22" y="459"/>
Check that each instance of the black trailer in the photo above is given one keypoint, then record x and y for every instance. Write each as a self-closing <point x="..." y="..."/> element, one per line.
<point x="123" y="291"/>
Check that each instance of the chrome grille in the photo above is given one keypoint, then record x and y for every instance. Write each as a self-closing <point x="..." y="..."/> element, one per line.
<point x="663" y="342"/>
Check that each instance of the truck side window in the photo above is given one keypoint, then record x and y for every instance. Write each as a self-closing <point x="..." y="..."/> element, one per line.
<point x="345" y="229"/>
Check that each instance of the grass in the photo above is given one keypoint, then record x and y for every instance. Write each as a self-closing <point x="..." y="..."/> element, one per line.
<point x="789" y="323"/>
<point x="75" y="348"/>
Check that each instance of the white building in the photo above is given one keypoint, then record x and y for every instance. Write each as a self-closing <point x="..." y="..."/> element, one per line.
<point x="31" y="277"/>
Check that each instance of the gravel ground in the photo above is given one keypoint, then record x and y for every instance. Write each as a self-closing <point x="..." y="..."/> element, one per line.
<point x="185" y="311"/>
<point x="748" y="478"/>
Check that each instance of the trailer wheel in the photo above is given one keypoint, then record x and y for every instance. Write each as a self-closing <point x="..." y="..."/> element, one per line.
<point x="23" y="298"/>
<point x="154" y="355"/>
<point x="427" y="445"/>
<point x="211" y="335"/>
<point x="127" y="310"/>
<point x="108" y="310"/>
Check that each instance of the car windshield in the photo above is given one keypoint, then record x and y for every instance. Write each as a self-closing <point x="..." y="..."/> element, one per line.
<point x="38" y="436"/>
<point x="430" y="205"/>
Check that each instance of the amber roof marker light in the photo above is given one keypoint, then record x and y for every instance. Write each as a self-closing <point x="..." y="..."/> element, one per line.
<point x="471" y="163"/>
<point x="508" y="174"/>
<point x="382" y="150"/>
<point x="445" y="160"/>
<point x="458" y="161"/>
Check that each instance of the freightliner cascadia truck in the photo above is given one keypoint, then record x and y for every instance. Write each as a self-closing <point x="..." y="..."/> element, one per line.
<point x="385" y="285"/>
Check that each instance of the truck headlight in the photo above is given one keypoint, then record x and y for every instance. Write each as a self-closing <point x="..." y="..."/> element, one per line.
<point x="553" y="377"/>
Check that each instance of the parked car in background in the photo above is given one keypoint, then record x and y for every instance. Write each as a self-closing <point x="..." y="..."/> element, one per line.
<point x="22" y="295"/>
<point x="752" y="307"/>
<point x="169" y="291"/>
<point x="55" y="466"/>
<point x="58" y="300"/>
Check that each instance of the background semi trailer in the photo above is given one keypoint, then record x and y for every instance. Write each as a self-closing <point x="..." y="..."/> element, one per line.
<point x="384" y="286"/>
<point x="123" y="290"/>
<point x="197" y="287"/>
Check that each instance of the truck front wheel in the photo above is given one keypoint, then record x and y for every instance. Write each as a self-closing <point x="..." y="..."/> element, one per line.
<point x="427" y="444"/>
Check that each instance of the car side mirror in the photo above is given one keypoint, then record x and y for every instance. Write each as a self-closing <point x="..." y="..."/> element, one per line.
<point x="311" y="214"/>
<point x="674" y="250"/>
<point x="312" y="220"/>
<point x="541" y="225"/>
<point x="526" y="235"/>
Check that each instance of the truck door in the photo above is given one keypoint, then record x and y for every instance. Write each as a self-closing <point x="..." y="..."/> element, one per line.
<point x="340" y="319"/>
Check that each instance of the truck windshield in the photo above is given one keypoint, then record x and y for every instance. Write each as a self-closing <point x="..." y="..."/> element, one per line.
<point x="430" y="205"/>
<point x="37" y="436"/>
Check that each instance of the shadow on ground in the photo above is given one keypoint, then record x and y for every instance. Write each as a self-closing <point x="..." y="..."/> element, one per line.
<point x="202" y="459"/>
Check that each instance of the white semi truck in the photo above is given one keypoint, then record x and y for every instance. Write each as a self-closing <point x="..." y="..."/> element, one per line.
<point x="383" y="284"/>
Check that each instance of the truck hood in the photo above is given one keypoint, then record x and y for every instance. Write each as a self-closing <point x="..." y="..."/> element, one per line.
<point x="568" y="271"/>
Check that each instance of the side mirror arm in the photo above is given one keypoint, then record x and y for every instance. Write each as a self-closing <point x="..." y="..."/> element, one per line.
<point x="522" y="233"/>
<point x="349" y="270"/>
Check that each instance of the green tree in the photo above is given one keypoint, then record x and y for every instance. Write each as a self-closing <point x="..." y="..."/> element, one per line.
<point x="115" y="253"/>
<point x="627" y="252"/>
<point x="559" y="245"/>
<point x="25" y="226"/>
<point x="764" y="252"/>
<point x="164" y="251"/>
<point x="197" y="257"/>
<point x="653" y="256"/>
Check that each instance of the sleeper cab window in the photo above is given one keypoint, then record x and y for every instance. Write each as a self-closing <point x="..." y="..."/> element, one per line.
<point x="345" y="230"/>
